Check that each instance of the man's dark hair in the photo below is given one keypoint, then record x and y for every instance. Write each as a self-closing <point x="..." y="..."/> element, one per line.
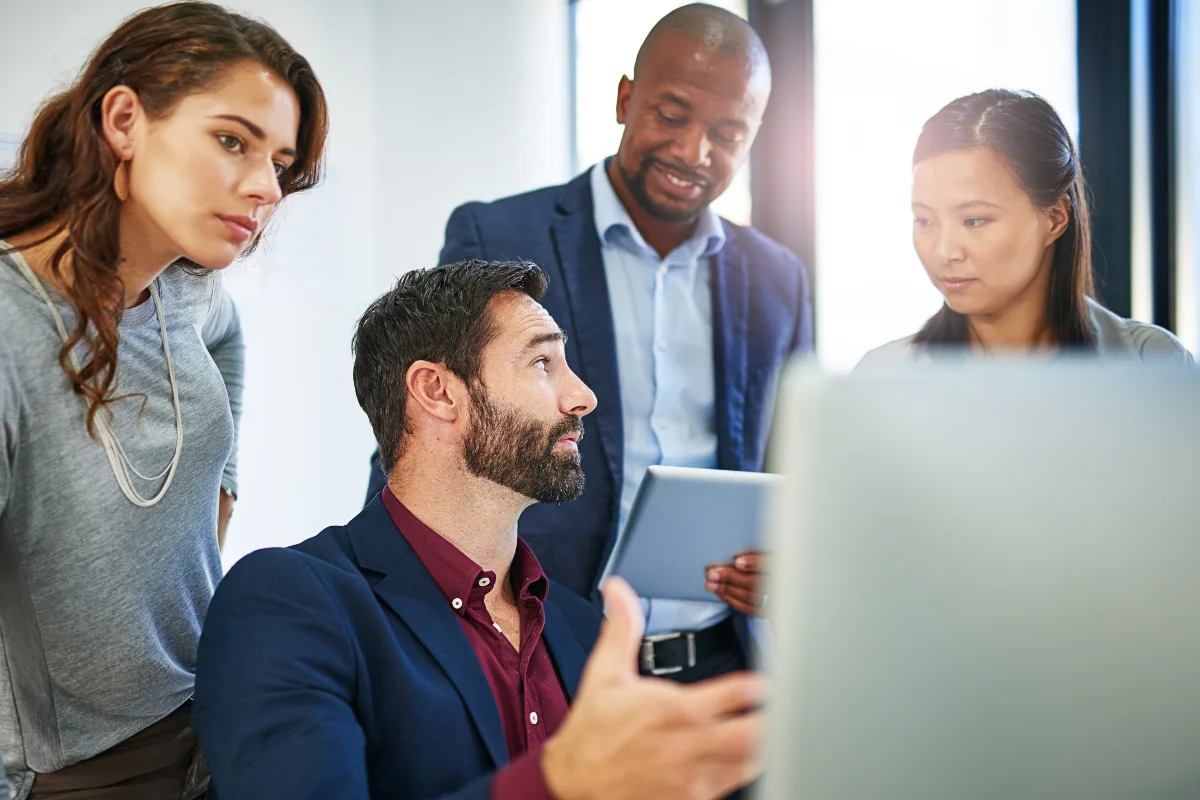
<point x="439" y="315"/>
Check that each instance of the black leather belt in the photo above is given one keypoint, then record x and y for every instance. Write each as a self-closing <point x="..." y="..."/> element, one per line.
<point x="667" y="653"/>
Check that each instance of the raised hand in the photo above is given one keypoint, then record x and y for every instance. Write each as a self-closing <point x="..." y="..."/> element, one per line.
<point x="629" y="736"/>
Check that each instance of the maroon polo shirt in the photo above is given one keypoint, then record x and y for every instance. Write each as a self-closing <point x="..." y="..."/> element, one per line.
<point x="531" y="700"/>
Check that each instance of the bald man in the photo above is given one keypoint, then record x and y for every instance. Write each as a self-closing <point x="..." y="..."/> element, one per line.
<point x="678" y="320"/>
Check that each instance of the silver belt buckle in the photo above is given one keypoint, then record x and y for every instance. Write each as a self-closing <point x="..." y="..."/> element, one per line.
<point x="647" y="655"/>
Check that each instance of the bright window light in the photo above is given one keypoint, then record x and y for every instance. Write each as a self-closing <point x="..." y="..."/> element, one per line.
<point x="1187" y="186"/>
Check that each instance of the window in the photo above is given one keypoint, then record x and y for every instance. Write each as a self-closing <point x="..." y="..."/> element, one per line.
<point x="607" y="35"/>
<point x="881" y="70"/>
<point x="1187" y="175"/>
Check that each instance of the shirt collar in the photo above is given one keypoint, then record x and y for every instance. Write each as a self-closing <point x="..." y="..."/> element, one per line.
<point x="615" y="227"/>
<point x="456" y="575"/>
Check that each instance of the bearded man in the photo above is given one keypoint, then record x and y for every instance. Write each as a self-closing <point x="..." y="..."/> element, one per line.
<point x="420" y="651"/>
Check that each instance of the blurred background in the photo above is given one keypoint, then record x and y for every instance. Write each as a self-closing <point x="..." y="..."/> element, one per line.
<point x="437" y="103"/>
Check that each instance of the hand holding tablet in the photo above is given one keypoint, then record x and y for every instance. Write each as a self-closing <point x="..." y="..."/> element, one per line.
<point x="688" y="522"/>
<point x="740" y="583"/>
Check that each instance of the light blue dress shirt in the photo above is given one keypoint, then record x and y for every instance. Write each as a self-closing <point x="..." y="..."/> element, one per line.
<point x="662" y="317"/>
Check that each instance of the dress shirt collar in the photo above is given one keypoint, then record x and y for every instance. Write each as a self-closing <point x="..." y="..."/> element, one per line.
<point x="615" y="227"/>
<point x="457" y="576"/>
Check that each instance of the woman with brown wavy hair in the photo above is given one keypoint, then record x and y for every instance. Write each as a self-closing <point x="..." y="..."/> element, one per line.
<point x="120" y="384"/>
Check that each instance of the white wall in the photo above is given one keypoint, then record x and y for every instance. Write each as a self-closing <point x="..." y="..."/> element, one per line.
<point x="432" y="104"/>
<point x="473" y="99"/>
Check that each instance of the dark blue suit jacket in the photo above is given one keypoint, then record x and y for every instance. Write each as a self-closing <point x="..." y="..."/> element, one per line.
<point x="761" y="315"/>
<point x="336" y="668"/>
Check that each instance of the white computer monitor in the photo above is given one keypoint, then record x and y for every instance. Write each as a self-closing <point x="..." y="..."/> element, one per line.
<point x="986" y="584"/>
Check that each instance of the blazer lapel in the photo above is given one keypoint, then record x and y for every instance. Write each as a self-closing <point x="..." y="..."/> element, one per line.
<point x="591" y="325"/>
<point x="565" y="650"/>
<point x="731" y="312"/>
<point x="409" y="591"/>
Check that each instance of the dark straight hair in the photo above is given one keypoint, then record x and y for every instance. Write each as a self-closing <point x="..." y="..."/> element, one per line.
<point x="1027" y="133"/>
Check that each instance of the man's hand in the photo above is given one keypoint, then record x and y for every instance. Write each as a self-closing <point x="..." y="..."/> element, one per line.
<point x="740" y="584"/>
<point x="630" y="737"/>
<point x="224" y="512"/>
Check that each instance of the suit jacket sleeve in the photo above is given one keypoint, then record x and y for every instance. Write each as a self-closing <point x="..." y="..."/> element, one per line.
<point x="274" y="689"/>
<point x="803" y="339"/>
<point x="376" y="481"/>
<point x="802" y="342"/>
<point x="463" y="240"/>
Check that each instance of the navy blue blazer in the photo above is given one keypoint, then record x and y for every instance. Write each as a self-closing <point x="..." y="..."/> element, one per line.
<point x="336" y="668"/>
<point x="762" y="313"/>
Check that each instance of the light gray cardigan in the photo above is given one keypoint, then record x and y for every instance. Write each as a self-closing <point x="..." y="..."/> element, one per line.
<point x="1116" y="336"/>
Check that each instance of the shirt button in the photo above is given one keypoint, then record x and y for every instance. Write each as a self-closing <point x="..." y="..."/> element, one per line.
<point x="484" y="581"/>
<point x="660" y="423"/>
<point x="662" y="344"/>
<point x="533" y="717"/>
<point x="662" y="269"/>
<point x="456" y="602"/>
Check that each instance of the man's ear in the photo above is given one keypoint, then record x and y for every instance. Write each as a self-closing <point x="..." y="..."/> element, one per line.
<point x="436" y="390"/>
<point x="624" y="96"/>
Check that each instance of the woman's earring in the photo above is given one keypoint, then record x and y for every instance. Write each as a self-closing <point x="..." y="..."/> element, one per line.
<point x="121" y="178"/>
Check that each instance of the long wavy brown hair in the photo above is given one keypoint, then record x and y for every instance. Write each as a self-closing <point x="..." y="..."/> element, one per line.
<point x="63" y="177"/>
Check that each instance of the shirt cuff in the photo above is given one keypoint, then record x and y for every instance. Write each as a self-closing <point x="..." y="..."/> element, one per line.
<point x="522" y="779"/>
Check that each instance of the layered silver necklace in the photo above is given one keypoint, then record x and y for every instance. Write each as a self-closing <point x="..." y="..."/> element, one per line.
<point x="118" y="459"/>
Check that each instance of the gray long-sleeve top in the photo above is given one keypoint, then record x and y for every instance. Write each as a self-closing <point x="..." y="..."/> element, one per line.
<point x="101" y="601"/>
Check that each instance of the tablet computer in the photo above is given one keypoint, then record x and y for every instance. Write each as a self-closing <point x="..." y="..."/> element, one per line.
<point x="683" y="521"/>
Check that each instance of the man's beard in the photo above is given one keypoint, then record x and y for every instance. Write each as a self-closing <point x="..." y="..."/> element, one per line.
<point x="636" y="183"/>
<point x="517" y="451"/>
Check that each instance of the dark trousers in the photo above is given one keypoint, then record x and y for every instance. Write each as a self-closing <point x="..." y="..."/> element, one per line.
<point x="162" y="762"/>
